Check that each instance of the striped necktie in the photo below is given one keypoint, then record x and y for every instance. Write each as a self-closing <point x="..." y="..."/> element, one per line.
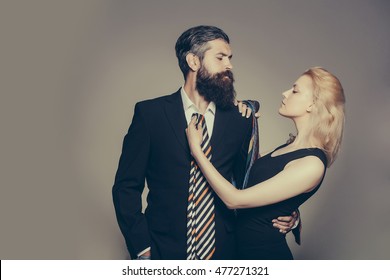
<point x="200" y="210"/>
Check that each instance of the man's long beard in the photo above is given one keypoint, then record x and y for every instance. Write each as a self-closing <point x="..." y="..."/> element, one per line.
<point x="217" y="88"/>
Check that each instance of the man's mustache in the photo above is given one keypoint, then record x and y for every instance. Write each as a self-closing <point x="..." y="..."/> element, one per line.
<point x="224" y="74"/>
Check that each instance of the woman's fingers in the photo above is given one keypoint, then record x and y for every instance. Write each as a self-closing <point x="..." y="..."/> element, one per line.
<point x="243" y="109"/>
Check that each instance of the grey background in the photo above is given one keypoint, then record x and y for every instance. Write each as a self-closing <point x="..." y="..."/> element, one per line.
<point x="71" y="72"/>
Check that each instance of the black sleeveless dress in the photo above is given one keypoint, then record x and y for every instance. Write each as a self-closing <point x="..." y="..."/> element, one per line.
<point x="257" y="239"/>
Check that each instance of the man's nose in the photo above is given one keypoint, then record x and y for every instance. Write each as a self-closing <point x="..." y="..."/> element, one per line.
<point x="229" y="65"/>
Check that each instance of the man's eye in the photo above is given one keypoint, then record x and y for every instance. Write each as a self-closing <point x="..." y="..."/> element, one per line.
<point x="294" y="91"/>
<point x="219" y="58"/>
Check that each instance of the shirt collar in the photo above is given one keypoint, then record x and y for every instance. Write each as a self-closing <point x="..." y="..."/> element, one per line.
<point x="187" y="103"/>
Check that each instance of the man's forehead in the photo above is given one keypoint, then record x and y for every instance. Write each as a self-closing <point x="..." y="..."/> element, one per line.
<point x="219" y="46"/>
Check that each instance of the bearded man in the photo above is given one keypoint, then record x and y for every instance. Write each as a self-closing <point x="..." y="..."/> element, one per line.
<point x="183" y="219"/>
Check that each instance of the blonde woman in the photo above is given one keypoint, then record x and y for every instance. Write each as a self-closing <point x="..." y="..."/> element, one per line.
<point x="282" y="180"/>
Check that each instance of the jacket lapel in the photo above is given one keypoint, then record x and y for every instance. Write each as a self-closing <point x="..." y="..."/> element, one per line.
<point x="176" y="117"/>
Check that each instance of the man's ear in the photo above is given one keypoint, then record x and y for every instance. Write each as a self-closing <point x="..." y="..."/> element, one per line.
<point x="193" y="61"/>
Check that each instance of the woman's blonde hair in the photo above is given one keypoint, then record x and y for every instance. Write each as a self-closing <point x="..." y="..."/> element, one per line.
<point x="328" y="113"/>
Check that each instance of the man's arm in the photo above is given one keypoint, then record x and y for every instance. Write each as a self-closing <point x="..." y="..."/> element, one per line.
<point x="250" y="147"/>
<point x="240" y="162"/>
<point x="297" y="228"/>
<point x="129" y="185"/>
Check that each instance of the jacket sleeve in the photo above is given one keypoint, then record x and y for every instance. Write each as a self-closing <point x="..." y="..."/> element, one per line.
<point x="297" y="230"/>
<point x="129" y="185"/>
<point x="239" y="168"/>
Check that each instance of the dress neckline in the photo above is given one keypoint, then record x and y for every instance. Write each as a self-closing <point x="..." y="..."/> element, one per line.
<point x="288" y="152"/>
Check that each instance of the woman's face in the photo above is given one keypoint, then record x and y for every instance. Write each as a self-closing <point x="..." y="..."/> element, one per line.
<point x="298" y="101"/>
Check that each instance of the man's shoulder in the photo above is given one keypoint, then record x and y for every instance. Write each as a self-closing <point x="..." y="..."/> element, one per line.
<point x="157" y="101"/>
<point x="237" y="118"/>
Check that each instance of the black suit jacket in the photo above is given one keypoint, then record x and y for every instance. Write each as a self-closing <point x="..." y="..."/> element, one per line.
<point x="156" y="149"/>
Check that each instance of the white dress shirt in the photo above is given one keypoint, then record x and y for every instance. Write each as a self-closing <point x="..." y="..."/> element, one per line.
<point x="190" y="108"/>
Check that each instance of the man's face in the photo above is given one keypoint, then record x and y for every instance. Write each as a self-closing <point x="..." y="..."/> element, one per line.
<point x="217" y="58"/>
<point x="214" y="79"/>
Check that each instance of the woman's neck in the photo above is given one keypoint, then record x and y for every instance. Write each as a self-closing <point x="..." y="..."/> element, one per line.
<point x="304" y="137"/>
